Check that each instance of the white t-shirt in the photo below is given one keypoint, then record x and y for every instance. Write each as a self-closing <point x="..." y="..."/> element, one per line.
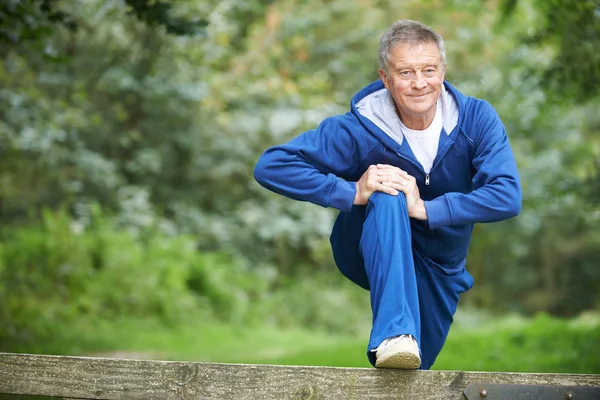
<point x="424" y="144"/>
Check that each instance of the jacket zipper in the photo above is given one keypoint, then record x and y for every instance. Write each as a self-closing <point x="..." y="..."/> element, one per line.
<point x="427" y="175"/>
<point x="427" y="178"/>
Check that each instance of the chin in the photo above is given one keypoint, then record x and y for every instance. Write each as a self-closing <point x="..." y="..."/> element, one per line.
<point x="420" y="110"/>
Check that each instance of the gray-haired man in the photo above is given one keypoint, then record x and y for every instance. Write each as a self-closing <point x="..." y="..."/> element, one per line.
<point x="411" y="167"/>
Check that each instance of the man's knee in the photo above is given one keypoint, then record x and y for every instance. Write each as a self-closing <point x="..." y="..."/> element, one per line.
<point x="380" y="199"/>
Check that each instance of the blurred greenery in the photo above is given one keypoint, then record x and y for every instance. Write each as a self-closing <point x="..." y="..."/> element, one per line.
<point x="128" y="135"/>
<point x="570" y="31"/>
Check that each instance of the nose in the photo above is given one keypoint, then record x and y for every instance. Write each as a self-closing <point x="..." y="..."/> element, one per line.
<point x="419" y="82"/>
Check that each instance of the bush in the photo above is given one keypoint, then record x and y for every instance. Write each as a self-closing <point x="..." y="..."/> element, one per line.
<point x="52" y="274"/>
<point x="58" y="275"/>
<point x="325" y="301"/>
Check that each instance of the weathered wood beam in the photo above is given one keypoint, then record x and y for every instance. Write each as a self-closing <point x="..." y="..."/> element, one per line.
<point x="116" y="379"/>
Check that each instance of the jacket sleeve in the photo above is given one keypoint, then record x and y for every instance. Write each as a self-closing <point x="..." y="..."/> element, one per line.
<point x="310" y="167"/>
<point x="496" y="191"/>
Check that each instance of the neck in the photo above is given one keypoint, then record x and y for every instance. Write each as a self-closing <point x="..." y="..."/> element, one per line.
<point x="417" y="122"/>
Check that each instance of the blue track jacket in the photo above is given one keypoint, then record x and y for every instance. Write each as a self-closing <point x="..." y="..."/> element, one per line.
<point x="474" y="177"/>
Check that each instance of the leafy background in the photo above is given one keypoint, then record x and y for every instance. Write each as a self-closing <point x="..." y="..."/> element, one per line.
<point x="130" y="223"/>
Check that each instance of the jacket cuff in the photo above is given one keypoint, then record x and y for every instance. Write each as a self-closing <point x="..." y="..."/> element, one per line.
<point x="439" y="212"/>
<point x="342" y="195"/>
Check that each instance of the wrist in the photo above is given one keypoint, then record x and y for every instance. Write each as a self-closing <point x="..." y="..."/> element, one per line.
<point x="359" y="196"/>
<point x="357" y="199"/>
<point x="419" y="211"/>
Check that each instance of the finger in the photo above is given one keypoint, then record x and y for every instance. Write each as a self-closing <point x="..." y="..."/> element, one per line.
<point x="407" y="190"/>
<point x="391" y="171"/>
<point x="373" y="182"/>
<point x="387" y="168"/>
<point x="394" y="185"/>
<point x="386" y="189"/>
<point x="393" y="177"/>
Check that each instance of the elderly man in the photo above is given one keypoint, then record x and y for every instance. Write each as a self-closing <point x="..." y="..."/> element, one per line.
<point x="411" y="167"/>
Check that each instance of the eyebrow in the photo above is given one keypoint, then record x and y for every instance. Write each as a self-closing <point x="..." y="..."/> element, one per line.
<point x="406" y="66"/>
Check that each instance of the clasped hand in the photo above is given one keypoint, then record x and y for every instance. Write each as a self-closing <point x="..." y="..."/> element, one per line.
<point x="391" y="180"/>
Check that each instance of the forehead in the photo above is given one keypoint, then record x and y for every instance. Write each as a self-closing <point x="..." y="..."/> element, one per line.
<point x="414" y="54"/>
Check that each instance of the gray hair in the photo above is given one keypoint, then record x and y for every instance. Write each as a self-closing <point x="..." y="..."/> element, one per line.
<point x="411" y="32"/>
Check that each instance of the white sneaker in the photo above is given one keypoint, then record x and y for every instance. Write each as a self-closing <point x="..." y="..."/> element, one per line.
<point x="398" y="352"/>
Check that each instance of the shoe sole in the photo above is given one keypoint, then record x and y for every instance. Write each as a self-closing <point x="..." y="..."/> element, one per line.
<point x="401" y="360"/>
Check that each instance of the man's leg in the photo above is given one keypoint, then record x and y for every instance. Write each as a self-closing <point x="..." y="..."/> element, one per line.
<point x="372" y="247"/>
<point x="345" y="245"/>
<point x="386" y="250"/>
<point x="439" y="290"/>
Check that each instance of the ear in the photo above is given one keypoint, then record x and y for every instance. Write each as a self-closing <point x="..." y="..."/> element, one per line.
<point x="384" y="78"/>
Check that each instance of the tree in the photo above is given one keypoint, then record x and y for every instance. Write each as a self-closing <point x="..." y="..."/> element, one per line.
<point x="30" y="23"/>
<point x="570" y="31"/>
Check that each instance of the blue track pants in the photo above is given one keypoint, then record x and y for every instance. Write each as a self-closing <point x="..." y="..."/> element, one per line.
<point x="410" y="293"/>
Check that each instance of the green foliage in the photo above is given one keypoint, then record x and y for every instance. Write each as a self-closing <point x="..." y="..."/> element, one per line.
<point x="58" y="273"/>
<point x="320" y="301"/>
<point x="162" y="131"/>
<point x="157" y="12"/>
<point x="31" y="22"/>
<point x="55" y="273"/>
<point x="571" y="30"/>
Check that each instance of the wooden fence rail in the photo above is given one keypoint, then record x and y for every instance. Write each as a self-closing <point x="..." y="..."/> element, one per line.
<point x="116" y="379"/>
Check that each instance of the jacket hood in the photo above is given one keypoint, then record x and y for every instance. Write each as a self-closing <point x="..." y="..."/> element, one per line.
<point x="374" y="112"/>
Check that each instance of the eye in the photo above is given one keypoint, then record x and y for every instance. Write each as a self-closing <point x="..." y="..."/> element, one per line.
<point x="429" y="72"/>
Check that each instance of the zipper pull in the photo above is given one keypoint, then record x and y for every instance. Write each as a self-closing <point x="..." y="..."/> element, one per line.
<point x="427" y="180"/>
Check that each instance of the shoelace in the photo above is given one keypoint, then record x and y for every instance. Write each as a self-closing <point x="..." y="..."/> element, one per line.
<point x="390" y="341"/>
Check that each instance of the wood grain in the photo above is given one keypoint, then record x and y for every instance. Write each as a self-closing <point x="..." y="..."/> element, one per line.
<point x="117" y="379"/>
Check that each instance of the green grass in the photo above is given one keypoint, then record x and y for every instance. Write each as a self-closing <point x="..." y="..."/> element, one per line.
<point x="542" y="344"/>
<point x="216" y="342"/>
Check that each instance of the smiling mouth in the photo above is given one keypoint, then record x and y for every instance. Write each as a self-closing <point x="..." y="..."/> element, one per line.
<point x="419" y="96"/>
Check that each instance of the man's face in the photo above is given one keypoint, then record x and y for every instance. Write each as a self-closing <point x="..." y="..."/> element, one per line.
<point x="414" y="78"/>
